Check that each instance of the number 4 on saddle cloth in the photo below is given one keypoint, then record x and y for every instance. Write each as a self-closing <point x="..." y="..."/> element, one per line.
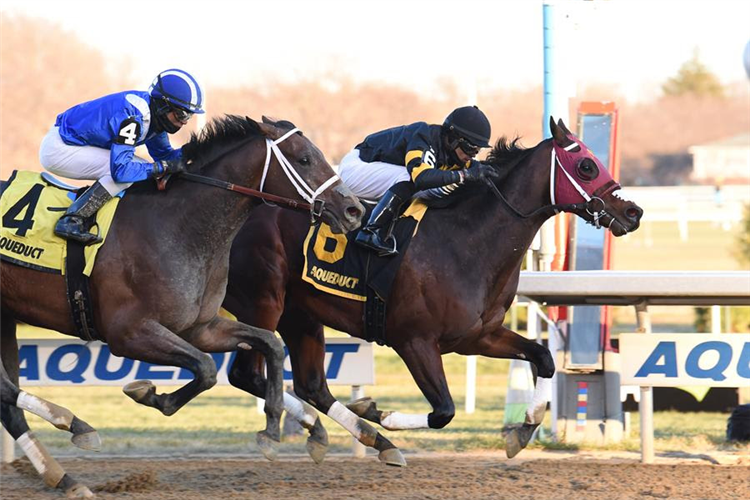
<point x="30" y="205"/>
<point x="335" y="265"/>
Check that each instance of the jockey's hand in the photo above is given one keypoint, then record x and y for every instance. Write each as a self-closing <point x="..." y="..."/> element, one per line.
<point x="166" y="167"/>
<point x="479" y="172"/>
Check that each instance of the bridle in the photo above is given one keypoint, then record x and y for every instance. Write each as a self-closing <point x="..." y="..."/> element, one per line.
<point x="594" y="204"/>
<point x="314" y="205"/>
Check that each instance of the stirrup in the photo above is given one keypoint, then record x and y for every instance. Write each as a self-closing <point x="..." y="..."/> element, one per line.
<point x="74" y="230"/>
<point x="371" y="240"/>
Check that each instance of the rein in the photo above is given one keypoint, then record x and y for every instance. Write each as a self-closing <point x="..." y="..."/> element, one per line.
<point x="314" y="205"/>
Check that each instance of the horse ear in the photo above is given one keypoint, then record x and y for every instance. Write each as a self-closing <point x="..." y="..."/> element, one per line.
<point x="267" y="120"/>
<point x="561" y="124"/>
<point x="558" y="134"/>
<point x="267" y="129"/>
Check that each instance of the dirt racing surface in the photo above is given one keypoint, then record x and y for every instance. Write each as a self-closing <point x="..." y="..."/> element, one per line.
<point x="450" y="476"/>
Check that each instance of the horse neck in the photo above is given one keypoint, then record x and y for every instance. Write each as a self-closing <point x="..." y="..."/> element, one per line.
<point x="500" y="238"/>
<point x="214" y="215"/>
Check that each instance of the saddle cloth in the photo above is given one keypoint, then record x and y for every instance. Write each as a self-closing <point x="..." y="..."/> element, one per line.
<point x="335" y="264"/>
<point x="30" y="206"/>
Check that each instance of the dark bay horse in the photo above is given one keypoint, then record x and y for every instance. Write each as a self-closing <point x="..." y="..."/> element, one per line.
<point x="456" y="282"/>
<point x="161" y="275"/>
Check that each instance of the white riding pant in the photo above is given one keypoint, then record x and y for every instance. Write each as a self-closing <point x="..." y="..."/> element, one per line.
<point x="370" y="180"/>
<point x="79" y="162"/>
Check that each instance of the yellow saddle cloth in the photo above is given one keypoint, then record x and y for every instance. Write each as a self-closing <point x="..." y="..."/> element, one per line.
<point x="30" y="207"/>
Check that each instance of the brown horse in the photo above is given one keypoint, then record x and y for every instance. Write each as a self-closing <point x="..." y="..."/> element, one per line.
<point x="161" y="275"/>
<point x="457" y="280"/>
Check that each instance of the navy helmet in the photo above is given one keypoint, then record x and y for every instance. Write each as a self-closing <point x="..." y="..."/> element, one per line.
<point x="179" y="89"/>
<point x="469" y="124"/>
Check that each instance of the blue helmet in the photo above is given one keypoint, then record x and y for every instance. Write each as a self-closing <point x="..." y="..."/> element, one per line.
<point x="179" y="89"/>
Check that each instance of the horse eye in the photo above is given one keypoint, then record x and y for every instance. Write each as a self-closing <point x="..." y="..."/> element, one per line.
<point x="305" y="160"/>
<point x="587" y="169"/>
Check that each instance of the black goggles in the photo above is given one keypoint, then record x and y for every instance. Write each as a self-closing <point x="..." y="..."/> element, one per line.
<point x="468" y="148"/>
<point x="182" y="115"/>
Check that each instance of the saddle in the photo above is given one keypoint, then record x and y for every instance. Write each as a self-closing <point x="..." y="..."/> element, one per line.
<point x="334" y="264"/>
<point x="30" y="205"/>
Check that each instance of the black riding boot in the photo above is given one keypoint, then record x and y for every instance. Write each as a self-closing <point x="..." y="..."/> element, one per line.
<point x="73" y="225"/>
<point x="376" y="235"/>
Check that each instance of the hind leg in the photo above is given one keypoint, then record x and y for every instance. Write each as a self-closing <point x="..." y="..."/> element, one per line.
<point x="15" y="423"/>
<point x="306" y="343"/>
<point x="263" y="308"/>
<point x="247" y="373"/>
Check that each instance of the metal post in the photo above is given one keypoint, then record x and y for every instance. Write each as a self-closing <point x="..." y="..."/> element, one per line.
<point x="9" y="447"/>
<point x="646" y="405"/>
<point x="471" y="384"/>
<point x="358" y="449"/>
<point x="715" y="319"/>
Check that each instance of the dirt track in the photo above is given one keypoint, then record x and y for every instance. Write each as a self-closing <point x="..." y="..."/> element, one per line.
<point x="455" y="476"/>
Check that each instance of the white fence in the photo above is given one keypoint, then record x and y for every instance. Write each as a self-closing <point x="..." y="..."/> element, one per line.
<point x="642" y="289"/>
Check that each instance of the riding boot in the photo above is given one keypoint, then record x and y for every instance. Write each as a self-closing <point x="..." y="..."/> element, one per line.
<point x="74" y="224"/>
<point x="376" y="235"/>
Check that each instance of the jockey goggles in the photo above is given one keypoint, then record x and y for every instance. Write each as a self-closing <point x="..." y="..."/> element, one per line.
<point x="468" y="148"/>
<point x="183" y="116"/>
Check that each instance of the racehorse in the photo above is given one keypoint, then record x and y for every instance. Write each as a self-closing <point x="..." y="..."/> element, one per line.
<point x="161" y="274"/>
<point x="457" y="280"/>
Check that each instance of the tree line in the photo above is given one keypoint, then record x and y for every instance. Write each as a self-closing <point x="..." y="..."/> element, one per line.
<point x="44" y="70"/>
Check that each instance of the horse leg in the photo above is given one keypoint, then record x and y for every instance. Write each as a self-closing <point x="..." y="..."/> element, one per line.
<point x="307" y="353"/>
<point x="507" y="344"/>
<point x="247" y="374"/>
<point x="153" y="343"/>
<point x="15" y="423"/>
<point x="422" y="358"/>
<point x="223" y="335"/>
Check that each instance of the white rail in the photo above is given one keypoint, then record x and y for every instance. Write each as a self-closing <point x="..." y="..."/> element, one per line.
<point x="640" y="289"/>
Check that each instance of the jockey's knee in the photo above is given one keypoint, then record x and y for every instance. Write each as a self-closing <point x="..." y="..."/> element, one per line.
<point x="441" y="417"/>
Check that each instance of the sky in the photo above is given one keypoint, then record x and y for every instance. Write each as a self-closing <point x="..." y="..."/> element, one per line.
<point x="633" y="45"/>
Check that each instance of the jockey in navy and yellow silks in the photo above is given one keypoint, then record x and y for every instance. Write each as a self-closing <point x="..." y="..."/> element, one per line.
<point x="437" y="158"/>
<point x="97" y="139"/>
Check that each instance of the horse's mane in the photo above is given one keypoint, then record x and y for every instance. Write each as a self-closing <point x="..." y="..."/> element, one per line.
<point x="214" y="139"/>
<point x="506" y="154"/>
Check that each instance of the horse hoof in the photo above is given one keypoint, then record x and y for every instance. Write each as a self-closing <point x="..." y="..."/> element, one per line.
<point x="316" y="450"/>
<point x="140" y="390"/>
<point x="88" y="441"/>
<point x="392" y="456"/>
<point x="518" y="438"/>
<point x="360" y="406"/>
<point x="267" y="445"/>
<point x="79" y="491"/>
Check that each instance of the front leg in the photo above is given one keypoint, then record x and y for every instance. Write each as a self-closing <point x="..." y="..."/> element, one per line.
<point x="223" y="335"/>
<point x="422" y="357"/>
<point x="506" y="344"/>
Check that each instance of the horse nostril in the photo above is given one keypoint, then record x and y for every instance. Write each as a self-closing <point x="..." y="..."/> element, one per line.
<point x="634" y="213"/>
<point x="353" y="212"/>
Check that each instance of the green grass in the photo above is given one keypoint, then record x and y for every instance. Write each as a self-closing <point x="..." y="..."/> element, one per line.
<point x="224" y="420"/>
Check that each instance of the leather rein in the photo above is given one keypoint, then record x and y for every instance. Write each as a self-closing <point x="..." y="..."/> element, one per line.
<point x="313" y="204"/>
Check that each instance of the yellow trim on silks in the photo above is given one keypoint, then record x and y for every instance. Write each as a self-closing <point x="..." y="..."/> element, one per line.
<point x="416" y="210"/>
<point x="38" y="246"/>
<point x="226" y="314"/>
<point x="413" y="154"/>
<point x="415" y="172"/>
<point x="306" y="273"/>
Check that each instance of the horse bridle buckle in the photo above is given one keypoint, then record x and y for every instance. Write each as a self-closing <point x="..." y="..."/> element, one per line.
<point x="316" y="209"/>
